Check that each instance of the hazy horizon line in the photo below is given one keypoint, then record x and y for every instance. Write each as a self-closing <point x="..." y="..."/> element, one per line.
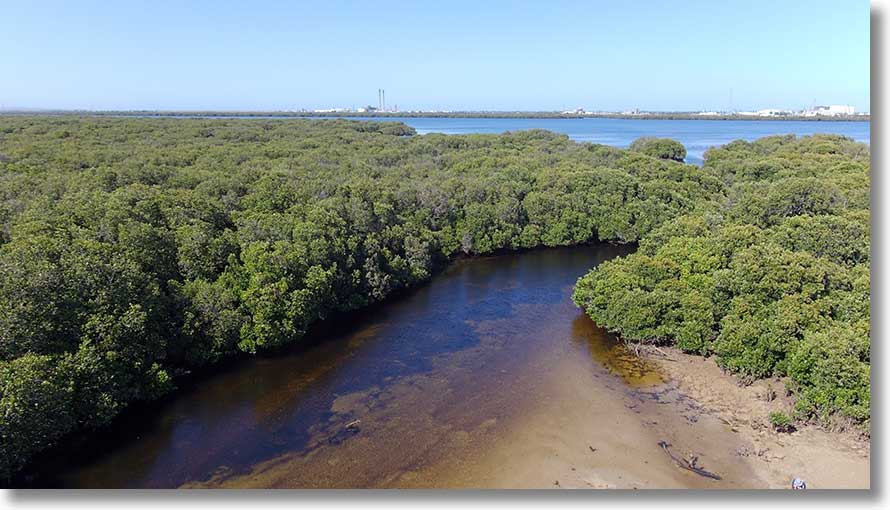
<point x="13" y="109"/>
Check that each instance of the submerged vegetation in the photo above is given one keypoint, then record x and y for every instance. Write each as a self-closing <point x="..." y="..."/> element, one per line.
<point x="133" y="250"/>
<point x="771" y="275"/>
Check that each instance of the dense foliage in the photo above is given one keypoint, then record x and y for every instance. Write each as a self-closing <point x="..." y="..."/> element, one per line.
<point x="771" y="277"/>
<point x="132" y="250"/>
<point x="663" y="148"/>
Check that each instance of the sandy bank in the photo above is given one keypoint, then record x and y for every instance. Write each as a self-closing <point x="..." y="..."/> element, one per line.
<point x="825" y="459"/>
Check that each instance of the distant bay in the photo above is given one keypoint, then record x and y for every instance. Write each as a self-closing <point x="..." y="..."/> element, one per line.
<point x="696" y="135"/>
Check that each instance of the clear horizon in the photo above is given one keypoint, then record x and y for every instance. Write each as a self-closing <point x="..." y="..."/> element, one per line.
<point x="683" y="56"/>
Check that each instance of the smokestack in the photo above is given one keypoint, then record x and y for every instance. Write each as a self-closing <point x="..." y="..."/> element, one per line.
<point x="379" y="99"/>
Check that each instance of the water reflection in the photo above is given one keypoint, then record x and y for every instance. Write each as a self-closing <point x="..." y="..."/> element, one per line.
<point x="413" y="363"/>
<point x="613" y="354"/>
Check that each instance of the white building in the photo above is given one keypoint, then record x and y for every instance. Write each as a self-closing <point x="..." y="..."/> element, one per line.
<point x="771" y="112"/>
<point x="331" y="110"/>
<point x="766" y="112"/>
<point x="830" y="111"/>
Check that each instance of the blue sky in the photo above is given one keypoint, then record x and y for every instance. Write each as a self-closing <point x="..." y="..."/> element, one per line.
<point x="536" y="55"/>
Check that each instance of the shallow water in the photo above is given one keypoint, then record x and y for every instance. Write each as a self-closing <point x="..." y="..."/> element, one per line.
<point x="449" y="356"/>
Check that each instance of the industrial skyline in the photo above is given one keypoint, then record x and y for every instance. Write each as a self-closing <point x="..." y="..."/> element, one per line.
<point x="815" y="110"/>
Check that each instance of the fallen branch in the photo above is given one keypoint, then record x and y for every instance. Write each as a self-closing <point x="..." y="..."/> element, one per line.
<point x="652" y="350"/>
<point x="689" y="465"/>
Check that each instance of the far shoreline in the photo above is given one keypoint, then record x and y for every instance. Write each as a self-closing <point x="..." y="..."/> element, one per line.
<point x="433" y="115"/>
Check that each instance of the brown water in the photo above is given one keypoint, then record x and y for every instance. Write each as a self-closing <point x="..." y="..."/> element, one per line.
<point x="425" y="390"/>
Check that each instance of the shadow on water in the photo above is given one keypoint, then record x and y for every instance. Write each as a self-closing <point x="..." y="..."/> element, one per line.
<point x="258" y="408"/>
<point x="613" y="354"/>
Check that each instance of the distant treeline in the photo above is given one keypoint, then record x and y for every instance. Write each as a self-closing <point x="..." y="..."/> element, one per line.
<point x="463" y="114"/>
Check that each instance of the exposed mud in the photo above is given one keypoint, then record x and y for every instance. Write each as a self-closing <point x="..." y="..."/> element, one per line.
<point x="823" y="458"/>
